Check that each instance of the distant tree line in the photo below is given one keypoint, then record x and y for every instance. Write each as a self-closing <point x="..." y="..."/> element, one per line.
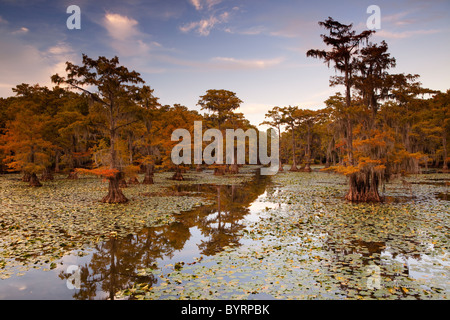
<point x="101" y="118"/>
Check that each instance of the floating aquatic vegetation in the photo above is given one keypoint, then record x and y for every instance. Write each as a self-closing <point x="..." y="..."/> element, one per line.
<point x="40" y="225"/>
<point x="315" y="245"/>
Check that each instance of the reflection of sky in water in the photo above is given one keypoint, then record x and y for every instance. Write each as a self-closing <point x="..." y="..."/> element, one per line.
<point x="258" y="208"/>
<point x="427" y="270"/>
<point x="432" y="269"/>
<point x="189" y="250"/>
<point x="40" y="284"/>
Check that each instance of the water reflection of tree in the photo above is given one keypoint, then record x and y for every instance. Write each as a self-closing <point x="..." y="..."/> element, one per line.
<point x="223" y="221"/>
<point x="115" y="263"/>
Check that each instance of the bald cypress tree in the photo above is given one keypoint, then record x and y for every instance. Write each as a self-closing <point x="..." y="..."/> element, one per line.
<point x="115" y="100"/>
<point x="344" y="44"/>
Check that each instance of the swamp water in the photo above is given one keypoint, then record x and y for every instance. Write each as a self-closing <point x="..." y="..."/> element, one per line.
<point x="290" y="236"/>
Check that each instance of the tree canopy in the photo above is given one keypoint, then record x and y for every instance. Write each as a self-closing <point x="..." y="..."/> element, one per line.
<point x="102" y="119"/>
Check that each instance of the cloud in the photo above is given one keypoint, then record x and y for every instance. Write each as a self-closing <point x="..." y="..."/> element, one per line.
<point x="22" y="30"/>
<point x="212" y="3"/>
<point x="126" y="37"/>
<point x="404" y="34"/>
<point x="232" y="63"/>
<point x="422" y="13"/>
<point x="254" y="108"/>
<point x="197" y="4"/>
<point x="252" y="31"/>
<point x="60" y="48"/>
<point x="204" y="26"/>
<point x="293" y="27"/>
<point x="26" y="60"/>
<point x="315" y="100"/>
<point x="255" y="112"/>
<point x="59" y="54"/>
<point x="137" y="49"/>
<point x="396" y="18"/>
<point x="24" y="63"/>
<point x="222" y="63"/>
<point x="399" y="19"/>
<point x="204" y="4"/>
<point x="120" y="27"/>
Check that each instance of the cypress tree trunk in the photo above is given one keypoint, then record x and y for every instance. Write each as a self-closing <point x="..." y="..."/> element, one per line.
<point x="115" y="195"/>
<point x="279" y="151"/>
<point x="123" y="183"/>
<point x="363" y="187"/>
<point x="47" y="175"/>
<point x="329" y="153"/>
<point x="219" y="171"/>
<point x="148" y="179"/>
<point x="178" y="176"/>
<point x="133" y="180"/>
<point x="26" y="177"/>
<point x="57" y="162"/>
<point x="34" y="181"/>
<point x="234" y="169"/>
<point x="308" y="153"/>
<point x="307" y="167"/>
<point x="444" y="143"/>
<point x="72" y="175"/>
<point x="294" y="165"/>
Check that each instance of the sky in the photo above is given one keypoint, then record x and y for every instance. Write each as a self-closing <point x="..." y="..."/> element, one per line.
<point x="182" y="48"/>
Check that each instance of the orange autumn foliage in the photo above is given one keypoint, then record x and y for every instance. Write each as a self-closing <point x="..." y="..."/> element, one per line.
<point x="24" y="144"/>
<point x="102" y="171"/>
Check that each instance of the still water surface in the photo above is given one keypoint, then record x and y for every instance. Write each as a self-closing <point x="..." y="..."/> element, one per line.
<point x="114" y="265"/>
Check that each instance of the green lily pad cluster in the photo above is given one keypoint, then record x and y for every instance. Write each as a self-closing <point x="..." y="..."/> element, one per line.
<point x="40" y="225"/>
<point x="315" y="245"/>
